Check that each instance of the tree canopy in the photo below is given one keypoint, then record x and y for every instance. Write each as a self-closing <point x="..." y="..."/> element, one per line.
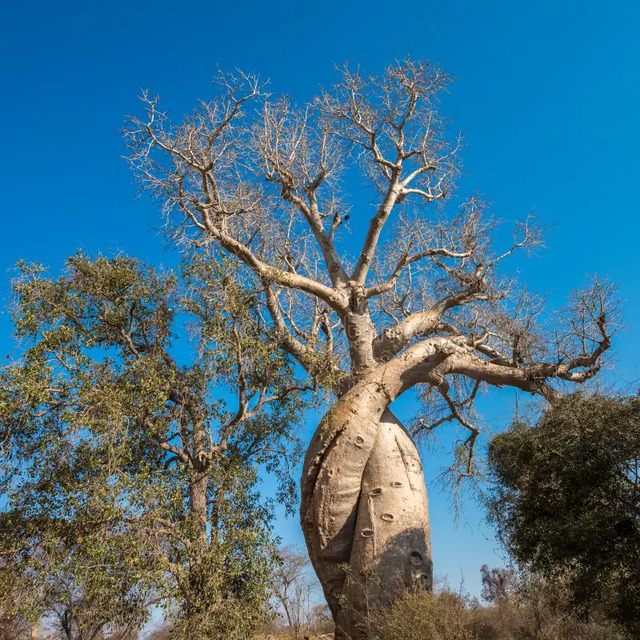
<point x="270" y="184"/>
<point x="131" y="453"/>
<point x="567" y="499"/>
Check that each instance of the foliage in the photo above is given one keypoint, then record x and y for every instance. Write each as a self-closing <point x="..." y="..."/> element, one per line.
<point x="423" y="615"/>
<point x="567" y="500"/>
<point x="130" y="457"/>
<point x="531" y="609"/>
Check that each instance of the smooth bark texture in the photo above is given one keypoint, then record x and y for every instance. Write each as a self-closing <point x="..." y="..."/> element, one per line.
<point x="384" y="534"/>
<point x="364" y="504"/>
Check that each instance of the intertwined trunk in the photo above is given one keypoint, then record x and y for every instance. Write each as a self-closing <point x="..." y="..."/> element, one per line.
<point x="364" y="505"/>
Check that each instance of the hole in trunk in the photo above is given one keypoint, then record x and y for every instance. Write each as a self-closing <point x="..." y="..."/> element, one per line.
<point x="375" y="492"/>
<point x="359" y="441"/>
<point x="387" y="517"/>
<point x="367" y="533"/>
<point x="396" y="485"/>
<point x="416" y="559"/>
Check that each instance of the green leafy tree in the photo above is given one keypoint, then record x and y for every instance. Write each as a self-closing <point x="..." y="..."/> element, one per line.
<point x="567" y="500"/>
<point x="130" y="456"/>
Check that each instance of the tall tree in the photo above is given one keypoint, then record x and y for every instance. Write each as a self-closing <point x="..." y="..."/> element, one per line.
<point x="130" y="456"/>
<point x="271" y="184"/>
<point x="567" y="500"/>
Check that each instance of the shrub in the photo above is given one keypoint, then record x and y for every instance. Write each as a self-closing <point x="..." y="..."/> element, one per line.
<point x="531" y="609"/>
<point x="417" y="616"/>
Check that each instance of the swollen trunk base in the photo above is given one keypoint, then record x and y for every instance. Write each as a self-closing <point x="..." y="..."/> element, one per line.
<point x="368" y="535"/>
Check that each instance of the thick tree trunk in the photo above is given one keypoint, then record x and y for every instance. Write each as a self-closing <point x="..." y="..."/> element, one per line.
<point x="391" y="548"/>
<point x="364" y="507"/>
<point x="363" y="498"/>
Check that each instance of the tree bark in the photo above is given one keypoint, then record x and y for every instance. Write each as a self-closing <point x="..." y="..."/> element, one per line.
<point x="364" y="510"/>
<point x="198" y="499"/>
<point x="363" y="499"/>
<point x="196" y="576"/>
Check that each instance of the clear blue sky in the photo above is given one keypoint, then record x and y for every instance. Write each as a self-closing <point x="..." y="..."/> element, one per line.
<point x="547" y="95"/>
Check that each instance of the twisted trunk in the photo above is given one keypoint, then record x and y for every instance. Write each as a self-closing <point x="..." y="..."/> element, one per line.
<point x="364" y="509"/>
<point x="384" y="539"/>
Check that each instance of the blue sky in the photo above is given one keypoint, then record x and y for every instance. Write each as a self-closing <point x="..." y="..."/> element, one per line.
<point x="547" y="95"/>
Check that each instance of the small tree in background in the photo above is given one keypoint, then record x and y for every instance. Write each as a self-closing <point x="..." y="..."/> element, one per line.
<point x="130" y="458"/>
<point x="567" y="500"/>
<point x="293" y="590"/>
<point x="498" y="585"/>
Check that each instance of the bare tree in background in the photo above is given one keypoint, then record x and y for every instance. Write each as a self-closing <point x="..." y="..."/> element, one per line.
<point x="293" y="590"/>
<point x="420" y="303"/>
<point x="498" y="585"/>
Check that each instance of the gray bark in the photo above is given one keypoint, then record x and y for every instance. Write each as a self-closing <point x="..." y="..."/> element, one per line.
<point x="364" y="508"/>
<point x="198" y="499"/>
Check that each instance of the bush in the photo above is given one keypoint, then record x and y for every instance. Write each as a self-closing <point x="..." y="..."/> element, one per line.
<point x="530" y="609"/>
<point x="566" y="501"/>
<point x="417" y="616"/>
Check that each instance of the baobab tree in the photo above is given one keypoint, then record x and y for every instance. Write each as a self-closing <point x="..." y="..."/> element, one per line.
<point x="370" y="299"/>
